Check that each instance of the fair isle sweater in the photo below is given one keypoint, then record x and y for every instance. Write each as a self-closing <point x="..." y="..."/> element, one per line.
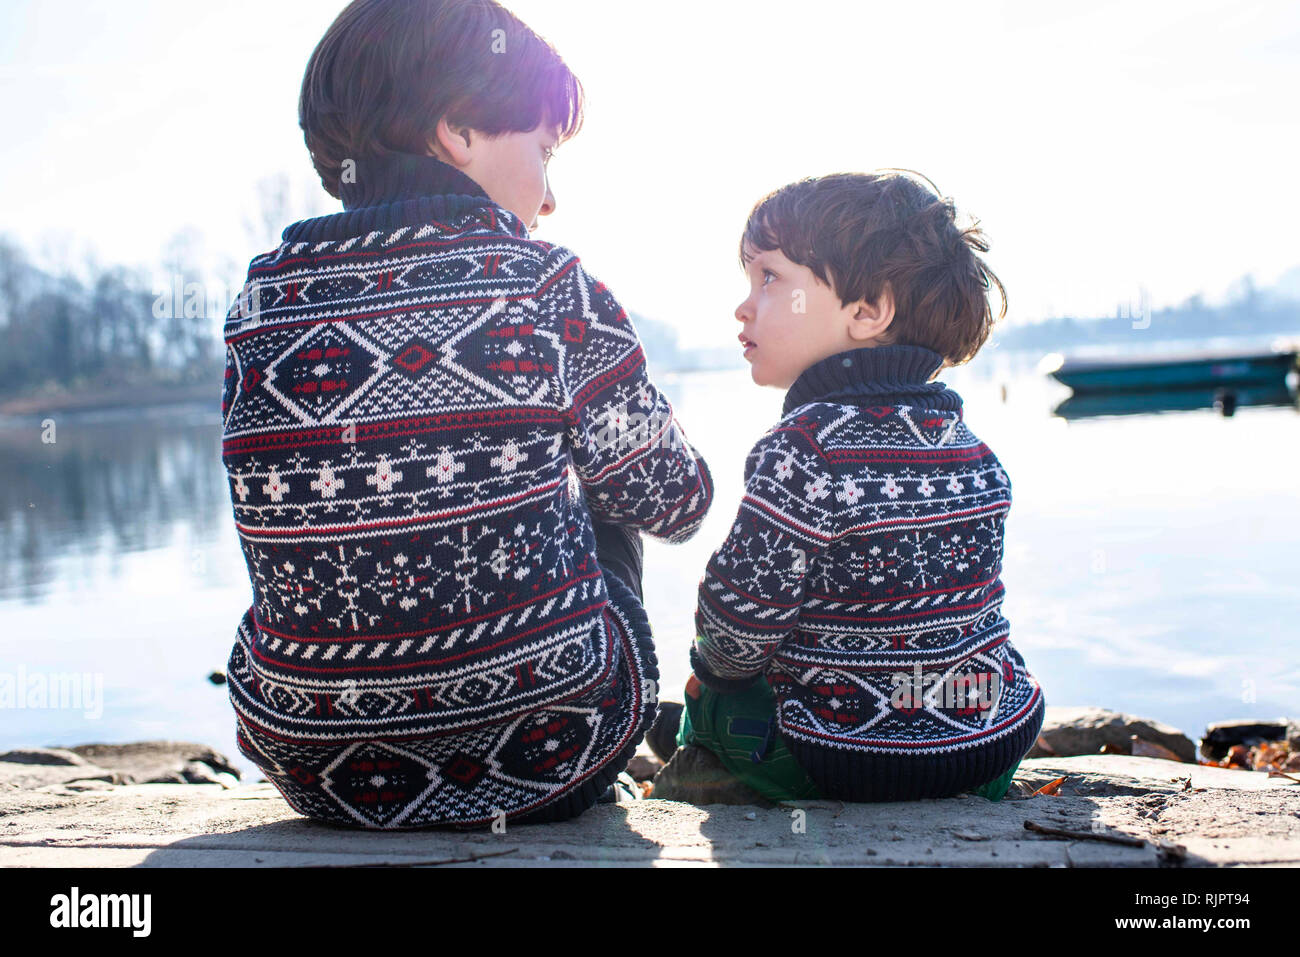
<point x="423" y="409"/>
<point x="862" y="578"/>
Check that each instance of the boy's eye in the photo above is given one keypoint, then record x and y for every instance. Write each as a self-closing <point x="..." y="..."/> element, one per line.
<point x="767" y="273"/>
<point x="547" y="154"/>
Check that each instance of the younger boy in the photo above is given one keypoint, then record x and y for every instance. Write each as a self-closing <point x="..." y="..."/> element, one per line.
<point x="850" y="640"/>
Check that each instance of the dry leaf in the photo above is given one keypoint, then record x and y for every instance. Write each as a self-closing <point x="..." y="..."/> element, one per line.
<point x="1051" y="788"/>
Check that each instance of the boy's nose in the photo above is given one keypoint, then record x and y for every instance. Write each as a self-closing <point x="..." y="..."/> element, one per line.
<point x="743" y="311"/>
<point x="548" y="204"/>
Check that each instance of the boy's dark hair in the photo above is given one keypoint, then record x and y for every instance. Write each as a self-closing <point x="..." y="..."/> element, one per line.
<point x="387" y="71"/>
<point x="858" y="231"/>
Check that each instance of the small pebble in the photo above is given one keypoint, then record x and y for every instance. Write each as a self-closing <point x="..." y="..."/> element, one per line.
<point x="751" y="816"/>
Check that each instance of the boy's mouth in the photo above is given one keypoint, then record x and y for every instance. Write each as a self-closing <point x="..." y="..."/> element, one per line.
<point x="749" y="344"/>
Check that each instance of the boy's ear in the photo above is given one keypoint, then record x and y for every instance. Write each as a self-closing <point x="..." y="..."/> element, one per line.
<point x="451" y="144"/>
<point x="870" y="320"/>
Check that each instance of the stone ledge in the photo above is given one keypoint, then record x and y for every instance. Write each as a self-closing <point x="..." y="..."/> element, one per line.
<point x="1185" y="815"/>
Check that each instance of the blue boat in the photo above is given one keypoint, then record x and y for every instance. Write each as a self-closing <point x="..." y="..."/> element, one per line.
<point x="1199" y="370"/>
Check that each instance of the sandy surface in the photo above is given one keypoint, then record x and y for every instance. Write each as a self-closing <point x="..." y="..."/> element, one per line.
<point x="1182" y="815"/>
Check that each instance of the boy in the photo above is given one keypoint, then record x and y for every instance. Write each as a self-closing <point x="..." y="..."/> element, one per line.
<point x="850" y="642"/>
<point x="439" y="519"/>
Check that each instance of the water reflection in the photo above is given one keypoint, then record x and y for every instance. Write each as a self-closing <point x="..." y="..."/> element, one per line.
<point x="106" y="484"/>
<point x="1225" y="401"/>
<point x="1142" y="573"/>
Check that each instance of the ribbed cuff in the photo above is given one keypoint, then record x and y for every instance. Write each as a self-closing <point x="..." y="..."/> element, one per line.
<point x="710" y="680"/>
<point x="845" y="775"/>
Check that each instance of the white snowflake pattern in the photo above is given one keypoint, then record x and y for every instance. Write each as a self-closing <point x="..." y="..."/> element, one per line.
<point x="818" y="489"/>
<point x="850" y="494"/>
<point x="275" y="486"/>
<point x="384" y="475"/>
<point x="327" y="483"/>
<point x="891" y="487"/>
<point x="445" y="468"/>
<point x="785" y="468"/>
<point x="954" y="485"/>
<point x="925" y="488"/>
<point x="510" y="458"/>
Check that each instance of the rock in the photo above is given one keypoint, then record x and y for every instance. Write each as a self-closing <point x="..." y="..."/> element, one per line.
<point x="1222" y="735"/>
<point x="217" y="677"/>
<point x="1070" y="731"/>
<point x="1149" y="749"/>
<point x="643" y="767"/>
<point x="155" y="762"/>
<point x="196" y="772"/>
<point x="696" y="776"/>
<point x="49" y="756"/>
<point x="30" y="769"/>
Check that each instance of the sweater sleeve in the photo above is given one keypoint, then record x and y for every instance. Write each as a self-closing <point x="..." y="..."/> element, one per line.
<point x="636" y="466"/>
<point x="753" y="586"/>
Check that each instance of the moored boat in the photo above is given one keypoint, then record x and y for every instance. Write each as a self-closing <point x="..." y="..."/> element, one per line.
<point x="1192" y="370"/>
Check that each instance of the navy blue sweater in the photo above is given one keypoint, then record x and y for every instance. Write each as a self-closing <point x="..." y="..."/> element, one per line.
<point x="862" y="578"/>
<point x="423" y="409"/>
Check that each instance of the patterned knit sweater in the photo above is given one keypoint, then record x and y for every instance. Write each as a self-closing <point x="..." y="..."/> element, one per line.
<point x="423" y="408"/>
<point x="861" y="577"/>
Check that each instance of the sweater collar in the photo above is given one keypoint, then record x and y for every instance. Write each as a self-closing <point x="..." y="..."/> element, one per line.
<point x="882" y="375"/>
<point x="399" y="176"/>
<point x="404" y="189"/>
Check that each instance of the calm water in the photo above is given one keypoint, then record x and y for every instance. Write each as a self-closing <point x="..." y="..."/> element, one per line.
<point x="1151" y="562"/>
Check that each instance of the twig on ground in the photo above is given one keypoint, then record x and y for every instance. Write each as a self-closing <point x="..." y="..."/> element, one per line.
<point x="1085" y="835"/>
<point x="431" y="863"/>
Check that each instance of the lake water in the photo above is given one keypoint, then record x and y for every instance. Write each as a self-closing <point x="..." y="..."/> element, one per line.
<point x="1151" y="561"/>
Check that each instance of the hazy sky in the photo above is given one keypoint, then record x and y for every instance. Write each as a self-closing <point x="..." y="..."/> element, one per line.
<point x="1102" y="145"/>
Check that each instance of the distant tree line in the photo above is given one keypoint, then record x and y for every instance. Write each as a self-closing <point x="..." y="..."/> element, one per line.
<point x="1251" y="312"/>
<point x="107" y="327"/>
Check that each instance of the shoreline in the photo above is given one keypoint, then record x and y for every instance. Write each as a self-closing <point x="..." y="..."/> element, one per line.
<point x="121" y="398"/>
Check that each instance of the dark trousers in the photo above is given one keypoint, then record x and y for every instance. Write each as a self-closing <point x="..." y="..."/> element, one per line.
<point x="619" y="549"/>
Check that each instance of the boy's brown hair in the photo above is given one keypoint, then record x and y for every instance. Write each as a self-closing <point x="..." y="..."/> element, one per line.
<point x="859" y="231"/>
<point x="387" y="71"/>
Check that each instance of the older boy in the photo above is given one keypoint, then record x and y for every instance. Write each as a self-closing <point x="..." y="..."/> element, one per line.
<point x="417" y="397"/>
<point x="850" y="640"/>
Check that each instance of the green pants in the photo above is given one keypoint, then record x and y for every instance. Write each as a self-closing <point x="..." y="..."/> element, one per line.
<point x="740" y="728"/>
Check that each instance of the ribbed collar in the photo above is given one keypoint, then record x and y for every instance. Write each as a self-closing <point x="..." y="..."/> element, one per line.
<point x="402" y="189"/>
<point x="883" y="375"/>
<point x="390" y="179"/>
